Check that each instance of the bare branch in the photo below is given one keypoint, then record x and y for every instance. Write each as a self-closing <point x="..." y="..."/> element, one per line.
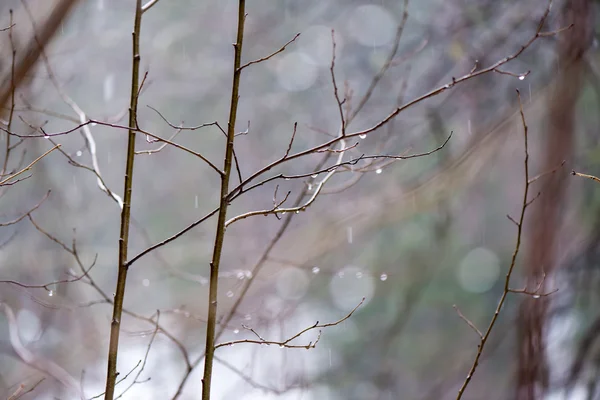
<point x="20" y="391"/>
<point x="89" y="138"/>
<point x="592" y="177"/>
<point x="27" y="168"/>
<point x="287" y="343"/>
<point x="340" y="103"/>
<point x="14" y="221"/>
<point x="148" y="5"/>
<point x="272" y="54"/>
<point x="44" y="365"/>
<point x="507" y="290"/>
<point x="46" y="135"/>
<point x="468" y="321"/>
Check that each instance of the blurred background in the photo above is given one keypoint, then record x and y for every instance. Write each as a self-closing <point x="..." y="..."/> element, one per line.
<point x="413" y="237"/>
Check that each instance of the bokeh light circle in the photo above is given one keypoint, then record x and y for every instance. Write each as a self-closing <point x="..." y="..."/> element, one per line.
<point x="479" y="270"/>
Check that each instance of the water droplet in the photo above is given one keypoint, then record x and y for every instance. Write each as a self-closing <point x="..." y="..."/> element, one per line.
<point x="248" y="274"/>
<point x="359" y="275"/>
<point x="310" y="186"/>
<point x="378" y="171"/>
<point x="241" y="275"/>
<point x="196" y="202"/>
<point x="93" y="124"/>
<point x="229" y="293"/>
<point x="297" y="211"/>
<point x="281" y="346"/>
<point x="51" y="293"/>
<point x="79" y="153"/>
<point x="286" y="179"/>
<point x="314" y="176"/>
<point x="521" y="77"/>
<point x="236" y="331"/>
<point x="363" y="136"/>
<point x="383" y="277"/>
<point x="46" y="137"/>
<point x="536" y="296"/>
<point x="283" y="213"/>
<point x="316" y="270"/>
<point x="247" y="317"/>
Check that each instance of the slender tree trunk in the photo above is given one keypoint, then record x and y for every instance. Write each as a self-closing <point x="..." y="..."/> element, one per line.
<point x="558" y="141"/>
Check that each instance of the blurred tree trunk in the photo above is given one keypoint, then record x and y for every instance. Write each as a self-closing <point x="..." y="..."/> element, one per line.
<point x="558" y="144"/>
<point x="30" y="55"/>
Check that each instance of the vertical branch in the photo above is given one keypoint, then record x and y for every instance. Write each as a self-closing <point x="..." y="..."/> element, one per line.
<point x="12" y="95"/>
<point x="483" y="337"/>
<point x="558" y="145"/>
<point x="115" y="326"/>
<point x="220" y="234"/>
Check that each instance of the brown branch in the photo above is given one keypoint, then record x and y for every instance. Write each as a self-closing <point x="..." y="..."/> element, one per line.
<point x="47" y="285"/>
<point x="27" y="168"/>
<point x="592" y="177"/>
<point x="392" y="115"/>
<point x="89" y="138"/>
<point x="209" y="348"/>
<point x="525" y="203"/>
<point x="339" y="103"/>
<point x="105" y="298"/>
<point x="386" y="65"/>
<point x="286" y="343"/>
<point x="468" y="321"/>
<point x="134" y="129"/>
<point x="115" y="326"/>
<point x="20" y="391"/>
<point x="28" y="213"/>
<point x="9" y="27"/>
<point x="31" y="53"/>
<point x="12" y="94"/>
<point x="282" y="49"/>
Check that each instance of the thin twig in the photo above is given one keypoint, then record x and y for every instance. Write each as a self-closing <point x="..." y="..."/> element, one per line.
<point x="20" y="393"/>
<point x="87" y="133"/>
<point x="287" y="342"/>
<point x="27" y="168"/>
<point x="525" y="203"/>
<point x="592" y="177"/>
<point x="339" y="103"/>
<point x="272" y="54"/>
